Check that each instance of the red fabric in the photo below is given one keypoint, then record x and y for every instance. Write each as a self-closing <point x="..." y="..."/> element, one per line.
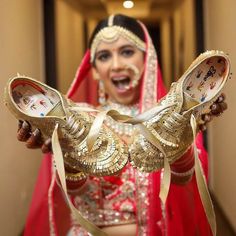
<point x="84" y="88"/>
<point x="37" y="223"/>
<point x="185" y="212"/>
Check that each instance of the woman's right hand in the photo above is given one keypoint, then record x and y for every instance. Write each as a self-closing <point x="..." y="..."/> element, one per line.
<point x="34" y="138"/>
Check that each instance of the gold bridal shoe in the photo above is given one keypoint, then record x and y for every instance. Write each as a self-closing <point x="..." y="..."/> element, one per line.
<point x="45" y="108"/>
<point x="171" y="131"/>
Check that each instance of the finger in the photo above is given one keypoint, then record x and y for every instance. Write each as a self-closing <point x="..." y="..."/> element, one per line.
<point x="47" y="146"/>
<point x="223" y="106"/>
<point x="24" y="132"/>
<point x="206" y="118"/>
<point x="35" y="140"/>
<point x="221" y="98"/>
<point x="45" y="149"/>
<point x="20" y="122"/>
<point x="202" y="127"/>
<point x="216" y="109"/>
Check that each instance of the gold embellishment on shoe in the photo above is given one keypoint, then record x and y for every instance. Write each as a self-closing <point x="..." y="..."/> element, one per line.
<point x="44" y="107"/>
<point x="171" y="128"/>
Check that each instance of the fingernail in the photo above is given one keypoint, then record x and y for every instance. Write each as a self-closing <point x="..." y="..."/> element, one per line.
<point x="47" y="142"/>
<point x="213" y="106"/>
<point x="25" y="125"/>
<point x="207" y="118"/>
<point x="220" y="99"/>
<point x="20" y="122"/>
<point x="202" y="127"/>
<point x="36" y="132"/>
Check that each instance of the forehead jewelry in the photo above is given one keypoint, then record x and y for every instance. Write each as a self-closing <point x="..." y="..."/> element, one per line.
<point x="111" y="33"/>
<point x="110" y="20"/>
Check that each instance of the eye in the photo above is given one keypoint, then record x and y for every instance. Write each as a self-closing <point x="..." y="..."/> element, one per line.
<point x="128" y="52"/>
<point x="103" y="56"/>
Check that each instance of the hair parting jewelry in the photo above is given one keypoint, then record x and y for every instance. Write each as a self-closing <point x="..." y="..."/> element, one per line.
<point x="110" y="20"/>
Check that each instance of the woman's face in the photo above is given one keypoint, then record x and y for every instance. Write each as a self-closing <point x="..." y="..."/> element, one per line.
<point x="116" y="64"/>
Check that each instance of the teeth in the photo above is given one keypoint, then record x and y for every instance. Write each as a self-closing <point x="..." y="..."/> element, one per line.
<point x="122" y="82"/>
<point x="121" y="86"/>
<point x="119" y="78"/>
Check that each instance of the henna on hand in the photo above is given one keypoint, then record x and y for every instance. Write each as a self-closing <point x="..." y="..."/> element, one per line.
<point x="47" y="146"/>
<point x="24" y="131"/>
<point x="33" y="139"/>
<point x="217" y="108"/>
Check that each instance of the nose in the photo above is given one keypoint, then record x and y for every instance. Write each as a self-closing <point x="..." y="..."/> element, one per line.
<point x="116" y="63"/>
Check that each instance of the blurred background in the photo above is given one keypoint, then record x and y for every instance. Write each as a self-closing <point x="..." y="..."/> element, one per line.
<point x="46" y="40"/>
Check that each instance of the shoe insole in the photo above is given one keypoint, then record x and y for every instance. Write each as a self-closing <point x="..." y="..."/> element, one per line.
<point x="205" y="81"/>
<point x="33" y="99"/>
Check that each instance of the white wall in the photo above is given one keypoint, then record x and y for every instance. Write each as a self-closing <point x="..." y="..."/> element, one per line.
<point x="220" y="19"/>
<point x="21" y="50"/>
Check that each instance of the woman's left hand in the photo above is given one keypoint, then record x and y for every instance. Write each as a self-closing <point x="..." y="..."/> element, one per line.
<point x="217" y="108"/>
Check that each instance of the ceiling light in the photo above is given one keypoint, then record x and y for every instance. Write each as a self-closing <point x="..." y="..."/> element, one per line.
<point x="128" y="4"/>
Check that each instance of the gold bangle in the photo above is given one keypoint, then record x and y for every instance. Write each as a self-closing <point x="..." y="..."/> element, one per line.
<point x="184" y="174"/>
<point x="75" y="177"/>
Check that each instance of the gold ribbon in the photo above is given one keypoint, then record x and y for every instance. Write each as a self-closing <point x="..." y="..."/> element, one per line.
<point x="165" y="181"/>
<point x="58" y="157"/>
<point x="201" y="183"/>
<point x="138" y="120"/>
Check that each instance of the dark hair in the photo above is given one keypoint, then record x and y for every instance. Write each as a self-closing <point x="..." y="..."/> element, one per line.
<point x="127" y="22"/>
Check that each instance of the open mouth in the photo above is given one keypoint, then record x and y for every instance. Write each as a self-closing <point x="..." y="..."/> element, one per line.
<point x="122" y="83"/>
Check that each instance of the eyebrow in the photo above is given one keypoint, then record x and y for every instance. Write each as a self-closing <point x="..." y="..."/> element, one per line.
<point x="101" y="51"/>
<point x="120" y="48"/>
